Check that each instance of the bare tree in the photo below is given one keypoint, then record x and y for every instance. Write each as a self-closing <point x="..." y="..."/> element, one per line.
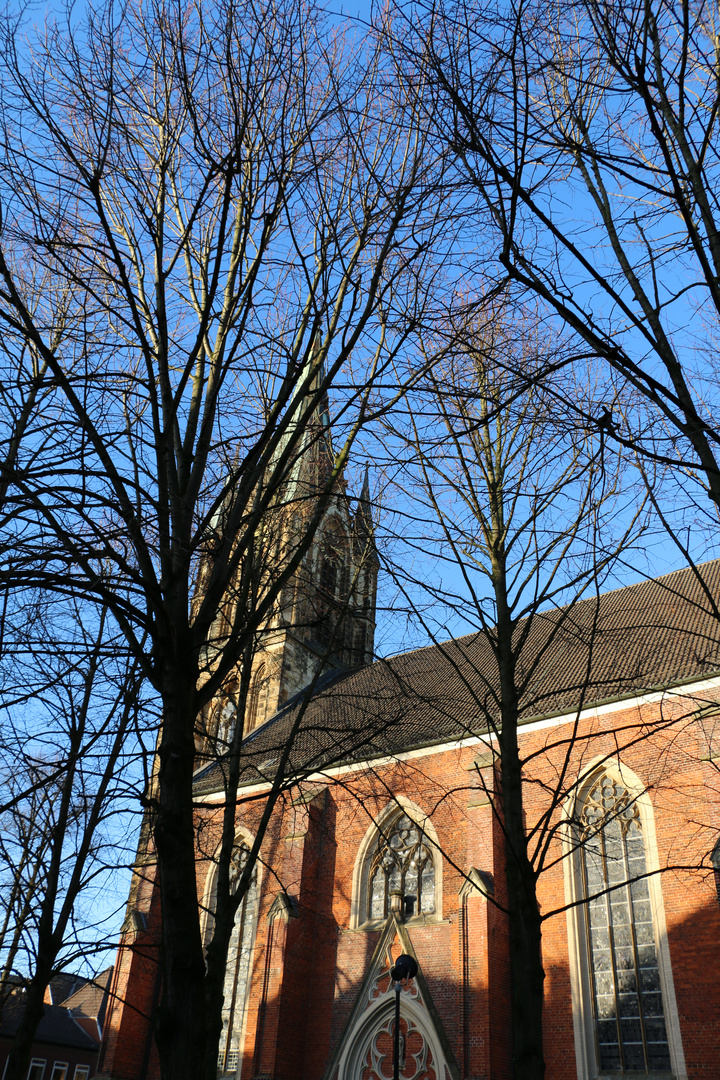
<point x="23" y="851"/>
<point x="585" y="139"/>
<point x="72" y="772"/>
<point x="240" y="220"/>
<point x="528" y="523"/>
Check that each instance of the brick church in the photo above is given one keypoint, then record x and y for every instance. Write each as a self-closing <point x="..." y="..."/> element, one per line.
<point x="389" y="839"/>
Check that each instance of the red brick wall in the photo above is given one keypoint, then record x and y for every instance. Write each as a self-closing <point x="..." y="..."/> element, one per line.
<point x="308" y="968"/>
<point x="128" y="1051"/>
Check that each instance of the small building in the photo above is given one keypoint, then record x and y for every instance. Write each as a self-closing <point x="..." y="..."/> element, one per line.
<point x="68" y="1037"/>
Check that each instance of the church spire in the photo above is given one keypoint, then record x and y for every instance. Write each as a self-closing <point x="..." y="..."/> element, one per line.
<point x="313" y="457"/>
<point x="365" y="492"/>
<point x="322" y="407"/>
<point x="364" y="525"/>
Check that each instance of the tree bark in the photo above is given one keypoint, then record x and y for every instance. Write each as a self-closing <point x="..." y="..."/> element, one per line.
<point x="525" y="930"/>
<point x="32" y="1014"/>
<point x="181" y="1019"/>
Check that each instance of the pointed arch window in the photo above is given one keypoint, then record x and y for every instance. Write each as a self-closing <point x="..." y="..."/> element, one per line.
<point x="253" y="704"/>
<point x="226" y="717"/>
<point x="402" y="861"/>
<point x="238" y="971"/>
<point x="624" y="975"/>
<point x="333" y="562"/>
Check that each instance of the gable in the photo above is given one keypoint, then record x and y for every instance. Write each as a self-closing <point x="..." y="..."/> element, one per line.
<point x="366" y="1039"/>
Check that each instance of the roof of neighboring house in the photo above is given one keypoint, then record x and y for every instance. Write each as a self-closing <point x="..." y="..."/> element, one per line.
<point x="56" y="1026"/>
<point x="88" y="1000"/>
<point x="659" y="633"/>
<point x="62" y="985"/>
<point x="88" y="1004"/>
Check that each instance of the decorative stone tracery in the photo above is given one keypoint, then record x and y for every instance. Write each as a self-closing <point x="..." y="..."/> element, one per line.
<point x="416" y="1059"/>
<point x="629" y="1020"/>
<point x="239" y="966"/>
<point x="402" y="862"/>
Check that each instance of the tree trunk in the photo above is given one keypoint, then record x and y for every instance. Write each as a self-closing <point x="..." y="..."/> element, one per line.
<point x="527" y="975"/>
<point x="525" y="934"/>
<point x="32" y="1013"/>
<point x="526" y="970"/>
<point x="180" y="1019"/>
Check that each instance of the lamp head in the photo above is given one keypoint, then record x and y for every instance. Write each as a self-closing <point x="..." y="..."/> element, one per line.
<point x="405" y="968"/>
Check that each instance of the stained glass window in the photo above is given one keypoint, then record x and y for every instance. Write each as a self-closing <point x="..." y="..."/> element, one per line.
<point x="402" y="861"/>
<point x="238" y="970"/>
<point x="628" y="1010"/>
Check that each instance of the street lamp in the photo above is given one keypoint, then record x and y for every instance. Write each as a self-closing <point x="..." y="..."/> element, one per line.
<point x="405" y="969"/>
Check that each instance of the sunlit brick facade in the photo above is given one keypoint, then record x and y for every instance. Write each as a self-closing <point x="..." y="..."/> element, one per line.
<point x="391" y="841"/>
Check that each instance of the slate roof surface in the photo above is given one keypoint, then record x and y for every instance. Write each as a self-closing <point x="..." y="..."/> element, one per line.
<point x="63" y="984"/>
<point x="88" y="1000"/>
<point x="88" y="1004"/>
<point x="658" y="633"/>
<point x="56" y="1026"/>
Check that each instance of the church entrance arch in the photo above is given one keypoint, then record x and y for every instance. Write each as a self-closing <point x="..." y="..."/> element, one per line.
<point x="369" y="1048"/>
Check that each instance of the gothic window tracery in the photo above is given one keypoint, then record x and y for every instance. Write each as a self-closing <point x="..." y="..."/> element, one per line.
<point x="627" y="1003"/>
<point x="239" y="967"/>
<point x="415" y="1057"/>
<point x="253" y="704"/>
<point x="401" y="861"/>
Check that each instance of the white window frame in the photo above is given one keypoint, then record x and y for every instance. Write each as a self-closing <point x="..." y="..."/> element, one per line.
<point x="33" y="1063"/>
<point x="81" y="1072"/>
<point x="64" y="1065"/>
<point x="580" y="979"/>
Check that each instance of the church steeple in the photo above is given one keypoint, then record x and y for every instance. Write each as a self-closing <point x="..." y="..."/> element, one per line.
<point x="324" y="619"/>
<point x="313" y="457"/>
<point x="364" y="525"/>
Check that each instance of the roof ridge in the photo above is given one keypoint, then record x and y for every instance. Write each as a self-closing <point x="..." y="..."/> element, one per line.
<point x="644" y="582"/>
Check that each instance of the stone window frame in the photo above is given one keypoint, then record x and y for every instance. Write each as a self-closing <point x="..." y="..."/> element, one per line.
<point x="333" y="550"/>
<point x="398" y="806"/>
<point x="381" y="1012"/>
<point x="579" y="961"/>
<point x="226" y="716"/>
<point x="243" y="838"/>
<point x="258" y="682"/>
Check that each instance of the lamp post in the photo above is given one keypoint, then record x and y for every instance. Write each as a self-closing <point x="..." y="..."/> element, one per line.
<point x="405" y="969"/>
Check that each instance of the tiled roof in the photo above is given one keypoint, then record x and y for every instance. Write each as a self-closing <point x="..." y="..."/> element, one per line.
<point x="90" y="1001"/>
<point x="661" y="632"/>
<point x="56" y="1026"/>
<point x="61" y="985"/>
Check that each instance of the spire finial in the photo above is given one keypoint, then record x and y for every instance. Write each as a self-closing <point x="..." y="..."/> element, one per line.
<point x="365" y="492"/>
